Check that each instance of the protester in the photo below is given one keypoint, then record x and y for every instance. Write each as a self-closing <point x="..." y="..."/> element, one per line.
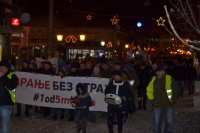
<point x="162" y="92"/>
<point x="82" y="111"/>
<point x="8" y="82"/>
<point x="153" y="70"/>
<point x="61" y="74"/>
<point x="82" y="71"/>
<point x="65" y="69"/>
<point x="191" y="76"/>
<point x="89" y="69"/>
<point x="48" y="71"/>
<point x="25" y="68"/>
<point x="144" y="77"/>
<point x="124" y="91"/>
<point x="41" y="69"/>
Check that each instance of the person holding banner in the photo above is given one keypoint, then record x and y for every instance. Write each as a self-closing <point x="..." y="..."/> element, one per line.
<point x="82" y="103"/>
<point x="8" y="82"/>
<point x="48" y="70"/>
<point x="118" y="93"/>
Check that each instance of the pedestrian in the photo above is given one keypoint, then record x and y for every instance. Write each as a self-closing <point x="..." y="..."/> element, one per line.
<point x="118" y="84"/>
<point x="25" y="68"/>
<point x="191" y="77"/>
<point x="153" y="70"/>
<point x="144" y="77"/>
<point x="89" y="69"/>
<point x="65" y="69"/>
<point x="82" y="111"/>
<point x="105" y="72"/>
<point x="8" y="82"/>
<point x="82" y="71"/>
<point x="61" y="74"/>
<point x="162" y="92"/>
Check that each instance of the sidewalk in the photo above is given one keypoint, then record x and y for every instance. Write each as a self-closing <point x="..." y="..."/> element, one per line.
<point x="186" y="120"/>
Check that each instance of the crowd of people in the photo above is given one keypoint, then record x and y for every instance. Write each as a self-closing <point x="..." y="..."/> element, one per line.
<point x="141" y="72"/>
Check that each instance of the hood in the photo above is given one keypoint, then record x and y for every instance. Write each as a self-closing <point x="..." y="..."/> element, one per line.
<point x="61" y="71"/>
<point x="124" y="78"/>
<point x="80" y="86"/>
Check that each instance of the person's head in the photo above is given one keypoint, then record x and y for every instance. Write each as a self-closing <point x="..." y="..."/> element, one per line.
<point x="31" y="66"/>
<point x="80" y="89"/>
<point x="160" y="71"/>
<point x="62" y="62"/>
<point x="117" y="65"/>
<point x="88" y="64"/>
<point x="61" y="73"/>
<point x="117" y="76"/>
<point x="96" y="70"/>
<point x="47" y="66"/>
<point x="82" y="66"/>
<point x="142" y="66"/>
<point x="73" y="67"/>
<point x="42" y="64"/>
<point x="105" y="66"/>
<point x="99" y="62"/>
<point x="25" y="64"/>
<point x="154" y="66"/>
<point x="65" y="68"/>
<point x="4" y="66"/>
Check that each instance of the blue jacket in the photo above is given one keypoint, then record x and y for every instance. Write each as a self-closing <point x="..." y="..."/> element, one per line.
<point x="85" y="100"/>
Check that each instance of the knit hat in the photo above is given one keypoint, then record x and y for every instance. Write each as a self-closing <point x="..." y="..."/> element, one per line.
<point x="160" y="68"/>
<point x="128" y="68"/>
<point x="155" y="65"/>
<point x="5" y="63"/>
<point x="118" y="73"/>
<point x="89" y="63"/>
<point x="49" y="63"/>
<point x="117" y="63"/>
<point x="73" y="65"/>
<point x="96" y="68"/>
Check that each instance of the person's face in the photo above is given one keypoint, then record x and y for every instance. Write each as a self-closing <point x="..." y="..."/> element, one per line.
<point x="96" y="72"/>
<point x="64" y="69"/>
<point x="88" y="66"/>
<point x="47" y="67"/>
<point x="25" y="65"/>
<point x="82" y="66"/>
<point x="159" y="74"/>
<point x="117" y="78"/>
<point x="142" y="67"/>
<point x="117" y="67"/>
<point x="105" y="67"/>
<point x="3" y="69"/>
<point x="154" y="68"/>
<point x="31" y="66"/>
<point x="73" y="69"/>
<point x="80" y="91"/>
<point x="61" y="74"/>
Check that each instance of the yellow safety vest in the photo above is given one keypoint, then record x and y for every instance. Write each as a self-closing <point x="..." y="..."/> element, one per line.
<point x="12" y="93"/>
<point x="150" y="88"/>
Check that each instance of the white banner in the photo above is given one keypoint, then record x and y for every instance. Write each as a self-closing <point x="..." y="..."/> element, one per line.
<point x="47" y="91"/>
<point x="54" y="62"/>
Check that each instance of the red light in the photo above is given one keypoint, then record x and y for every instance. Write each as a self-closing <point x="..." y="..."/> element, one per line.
<point x="15" y="21"/>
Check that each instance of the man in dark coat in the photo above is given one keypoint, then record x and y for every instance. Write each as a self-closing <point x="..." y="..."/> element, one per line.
<point x="144" y="77"/>
<point x="118" y="85"/>
<point x="48" y="71"/>
<point x="82" y="71"/>
<point x="191" y="76"/>
<point x="82" y="112"/>
<point x="89" y="69"/>
<point x="8" y="82"/>
<point x="105" y="72"/>
<point x="118" y="67"/>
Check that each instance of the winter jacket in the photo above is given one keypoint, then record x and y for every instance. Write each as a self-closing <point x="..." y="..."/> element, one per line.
<point x="82" y="73"/>
<point x="134" y="77"/>
<point x="124" y="90"/>
<point x="106" y="73"/>
<point x="73" y="74"/>
<point x="144" y="77"/>
<point x="161" y="99"/>
<point x="191" y="73"/>
<point x="10" y="84"/>
<point x="85" y="100"/>
<point x="88" y="72"/>
<point x="26" y="70"/>
<point x="179" y="73"/>
<point x="49" y="72"/>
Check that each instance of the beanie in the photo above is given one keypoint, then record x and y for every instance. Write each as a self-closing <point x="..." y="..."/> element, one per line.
<point x="89" y="63"/>
<point x="96" y="68"/>
<point x="5" y="63"/>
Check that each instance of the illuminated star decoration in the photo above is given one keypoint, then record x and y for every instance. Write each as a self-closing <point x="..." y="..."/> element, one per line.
<point x="89" y="17"/>
<point x="114" y="21"/>
<point x="160" y="21"/>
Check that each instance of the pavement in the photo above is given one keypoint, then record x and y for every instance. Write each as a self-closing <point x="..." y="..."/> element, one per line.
<point x="186" y="119"/>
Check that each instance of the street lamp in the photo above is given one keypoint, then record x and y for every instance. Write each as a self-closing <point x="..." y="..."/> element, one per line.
<point x="102" y="43"/>
<point x="82" y="37"/>
<point x="126" y="46"/>
<point x="60" y="37"/>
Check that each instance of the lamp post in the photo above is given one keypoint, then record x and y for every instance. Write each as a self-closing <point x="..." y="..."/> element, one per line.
<point x="82" y="37"/>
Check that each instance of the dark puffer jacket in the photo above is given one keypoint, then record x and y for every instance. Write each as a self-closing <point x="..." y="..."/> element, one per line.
<point x="10" y="84"/>
<point x="85" y="100"/>
<point x="144" y="77"/>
